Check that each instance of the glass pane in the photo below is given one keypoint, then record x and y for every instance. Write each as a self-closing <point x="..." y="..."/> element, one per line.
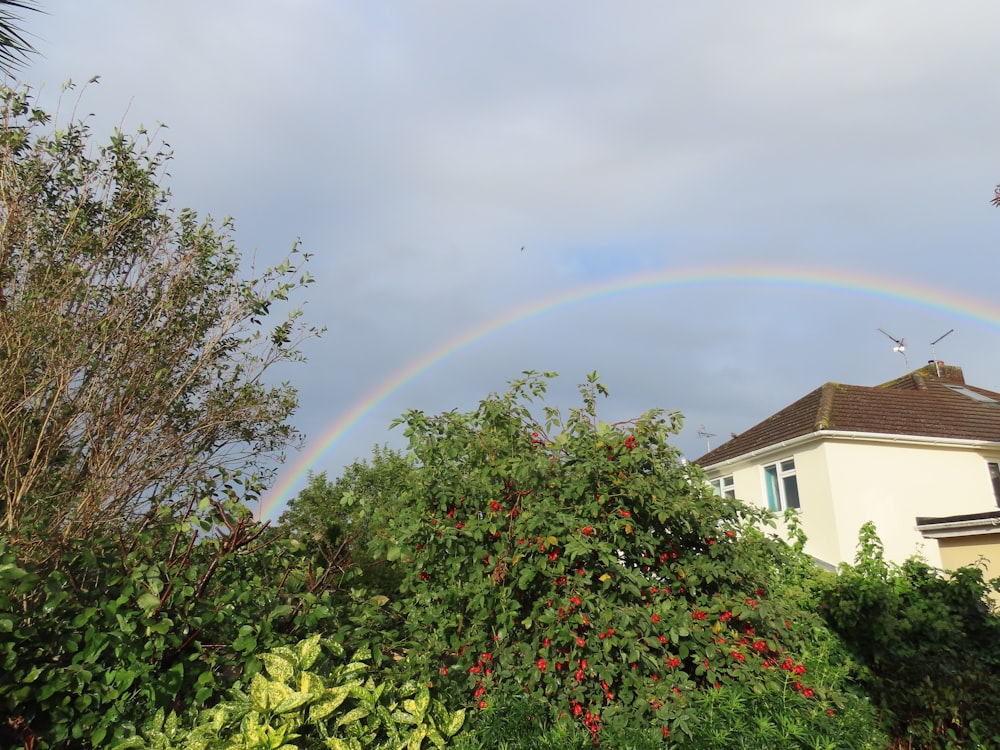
<point x="995" y="477"/>
<point x="791" y="491"/>
<point x="773" y="494"/>
<point x="788" y="465"/>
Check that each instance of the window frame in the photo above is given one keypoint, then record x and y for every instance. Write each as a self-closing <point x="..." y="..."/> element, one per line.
<point x="781" y="485"/>
<point x="724" y="486"/>
<point x="993" y="467"/>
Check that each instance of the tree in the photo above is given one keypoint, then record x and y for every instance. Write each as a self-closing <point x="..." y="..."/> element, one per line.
<point x="586" y="567"/>
<point x="14" y="48"/>
<point x="133" y="353"/>
<point x="338" y="521"/>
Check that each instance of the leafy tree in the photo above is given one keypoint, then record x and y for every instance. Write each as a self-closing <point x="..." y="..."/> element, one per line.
<point x="14" y="48"/>
<point x="133" y="351"/>
<point x="134" y="417"/>
<point x="587" y="567"/>
<point x="337" y="520"/>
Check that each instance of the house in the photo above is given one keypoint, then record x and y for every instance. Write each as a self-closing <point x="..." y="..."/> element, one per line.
<point x="918" y="456"/>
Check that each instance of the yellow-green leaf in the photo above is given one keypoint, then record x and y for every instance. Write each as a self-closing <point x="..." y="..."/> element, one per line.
<point x="278" y="667"/>
<point x="355" y="714"/>
<point x="309" y="650"/>
<point x="292" y="702"/>
<point x="328" y="703"/>
<point x="416" y="738"/>
<point x="454" y="723"/>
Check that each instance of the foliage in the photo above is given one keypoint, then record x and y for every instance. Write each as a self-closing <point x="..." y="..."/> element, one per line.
<point x="590" y="568"/>
<point x="14" y="48"/>
<point x="115" y="631"/>
<point x="337" y="521"/>
<point x="929" y="642"/>
<point x="305" y="701"/>
<point x="133" y="353"/>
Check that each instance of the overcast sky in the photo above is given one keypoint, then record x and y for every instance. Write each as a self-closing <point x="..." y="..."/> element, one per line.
<point x="415" y="148"/>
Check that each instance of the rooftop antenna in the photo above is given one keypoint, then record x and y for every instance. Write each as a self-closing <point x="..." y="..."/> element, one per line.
<point x="703" y="433"/>
<point x="937" y="367"/>
<point x="900" y="347"/>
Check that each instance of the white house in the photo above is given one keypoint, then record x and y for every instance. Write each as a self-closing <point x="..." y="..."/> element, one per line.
<point x="919" y="456"/>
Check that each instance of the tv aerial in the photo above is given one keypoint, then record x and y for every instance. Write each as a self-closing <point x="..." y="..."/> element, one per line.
<point x="934" y="358"/>
<point x="704" y="433"/>
<point x="900" y="346"/>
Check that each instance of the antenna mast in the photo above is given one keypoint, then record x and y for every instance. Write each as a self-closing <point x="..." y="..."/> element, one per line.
<point x="703" y="433"/>
<point x="937" y="367"/>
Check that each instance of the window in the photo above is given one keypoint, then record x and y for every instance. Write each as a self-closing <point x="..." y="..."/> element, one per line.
<point x="782" y="486"/>
<point x="995" y="478"/>
<point x="971" y="394"/>
<point x="724" y="486"/>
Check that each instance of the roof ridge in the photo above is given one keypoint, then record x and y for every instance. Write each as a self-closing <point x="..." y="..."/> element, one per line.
<point x="824" y="414"/>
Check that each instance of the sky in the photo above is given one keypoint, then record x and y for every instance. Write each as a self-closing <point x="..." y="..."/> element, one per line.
<point x="716" y="206"/>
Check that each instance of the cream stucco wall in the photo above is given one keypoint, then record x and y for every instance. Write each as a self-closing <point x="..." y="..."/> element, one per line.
<point x="844" y="483"/>
<point x="975" y="549"/>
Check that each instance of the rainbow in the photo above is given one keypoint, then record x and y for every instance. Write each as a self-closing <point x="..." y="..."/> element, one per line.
<point x="817" y="277"/>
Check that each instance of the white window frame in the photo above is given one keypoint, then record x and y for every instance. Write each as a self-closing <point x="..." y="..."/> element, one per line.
<point x="724" y="486"/>
<point x="781" y="485"/>
<point x="994" y="470"/>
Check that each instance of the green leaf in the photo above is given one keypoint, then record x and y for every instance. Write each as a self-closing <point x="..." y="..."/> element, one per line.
<point x="279" y="667"/>
<point x="148" y="603"/>
<point x="309" y="651"/>
<point x="352" y="716"/>
<point x="416" y="738"/>
<point x="329" y="703"/>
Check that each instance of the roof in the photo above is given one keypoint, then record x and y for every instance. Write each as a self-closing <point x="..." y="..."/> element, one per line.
<point x="933" y="402"/>
<point x="967" y="524"/>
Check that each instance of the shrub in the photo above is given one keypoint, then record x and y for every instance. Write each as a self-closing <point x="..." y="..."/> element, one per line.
<point x="305" y="701"/>
<point x="588" y="567"/>
<point x="929" y="642"/>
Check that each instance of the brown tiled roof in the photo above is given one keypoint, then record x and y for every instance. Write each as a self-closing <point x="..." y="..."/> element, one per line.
<point x="919" y="404"/>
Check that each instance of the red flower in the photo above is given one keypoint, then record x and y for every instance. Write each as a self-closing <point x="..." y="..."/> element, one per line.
<point x="587" y="530"/>
<point x="656" y="617"/>
<point x="698" y="615"/>
<point x="542" y="665"/>
<point x="580" y="642"/>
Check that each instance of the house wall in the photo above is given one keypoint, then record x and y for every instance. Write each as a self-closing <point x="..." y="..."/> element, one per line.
<point x="891" y="484"/>
<point x="845" y="483"/>
<point x="960" y="551"/>
<point x="817" y="512"/>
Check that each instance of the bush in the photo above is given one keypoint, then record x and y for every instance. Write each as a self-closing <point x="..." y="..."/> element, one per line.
<point x="586" y="567"/>
<point x="311" y="699"/>
<point x="929" y="642"/>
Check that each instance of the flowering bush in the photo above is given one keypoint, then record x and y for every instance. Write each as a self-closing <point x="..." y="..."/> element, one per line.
<point x="588" y="566"/>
